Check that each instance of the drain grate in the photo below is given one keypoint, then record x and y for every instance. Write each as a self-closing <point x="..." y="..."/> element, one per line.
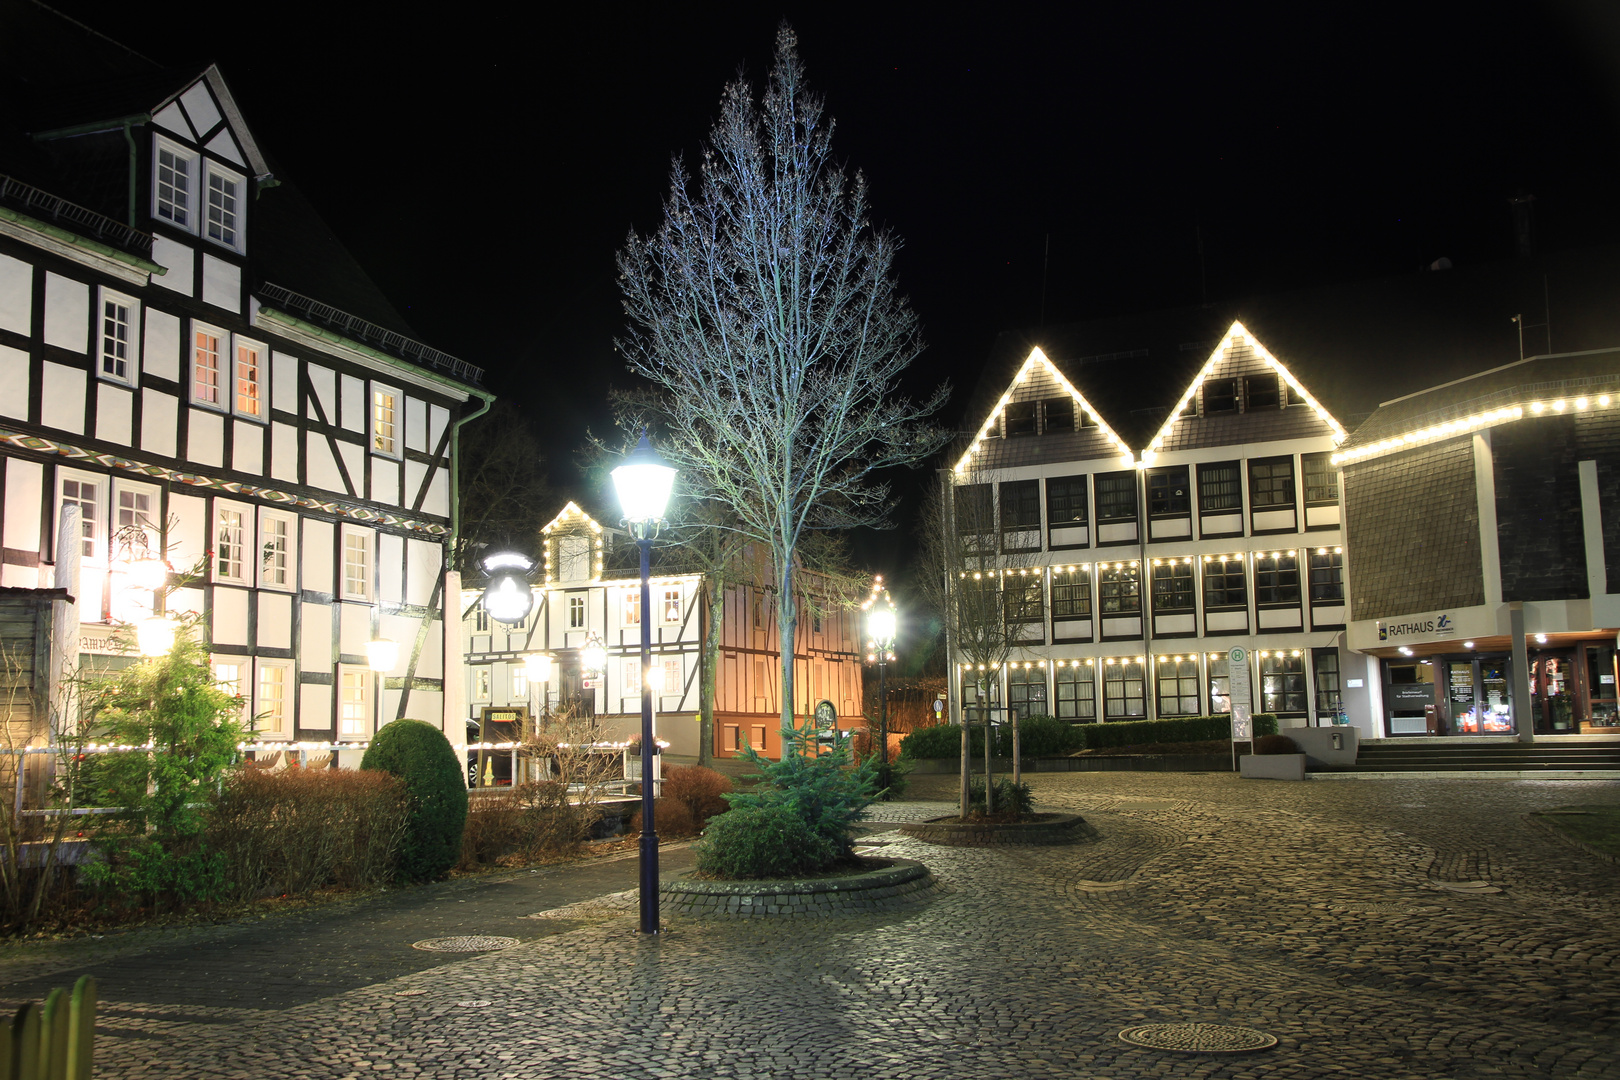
<point x="474" y="943"/>
<point x="1198" y="1038"/>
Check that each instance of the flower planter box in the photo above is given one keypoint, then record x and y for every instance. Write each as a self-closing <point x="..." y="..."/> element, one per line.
<point x="1272" y="766"/>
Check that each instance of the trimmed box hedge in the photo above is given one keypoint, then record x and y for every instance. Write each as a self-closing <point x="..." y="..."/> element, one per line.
<point x="1043" y="736"/>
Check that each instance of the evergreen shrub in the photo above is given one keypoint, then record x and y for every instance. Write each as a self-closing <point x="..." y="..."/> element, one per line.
<point x="941" y="741"/>
<point x="768" y="840"/>
<point x="1011" y="798"/>
<point x="422" y="757"/>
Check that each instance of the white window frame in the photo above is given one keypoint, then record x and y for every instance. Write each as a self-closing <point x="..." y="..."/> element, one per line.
<point x="520" y="683"/>
<point x="631" y="673"/>
<point x="673" y="666"/>
<point x="283" y="670"/>
<point x="193" y="188"/>
<point x="577" y="604"/>
<point x="344" y="534"/>
<point x="358" y="726"/>
<point x="233" y="684"/>
<point x="247" y="552"/>
<point x="291" y="521"/>
<point x="132" y="359"/>
<point x="396" y="441"/>
<point x="631" y="612"/>
<point x="261" y="371"/>
<point x="679" y="596"/>
<point x="483" y="682"/>
<point x="97" y="522"/>
<point x="128" y="604"/>
<point x="224" y="367"/>
<point x="211" y="169"/>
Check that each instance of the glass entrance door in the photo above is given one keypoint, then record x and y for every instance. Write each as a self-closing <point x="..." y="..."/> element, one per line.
<point x="1462" y="704"/>
<point x="1496" y="697"/>
<point x="1552" y="692"/>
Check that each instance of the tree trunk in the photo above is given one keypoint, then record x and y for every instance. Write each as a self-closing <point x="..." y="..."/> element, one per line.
<point x="967" y="759"/>
<point x="710" y="677"/>
<point x="787" y="616"/>
<point x="989" y="749"/>
<point x="1017" y="766"/>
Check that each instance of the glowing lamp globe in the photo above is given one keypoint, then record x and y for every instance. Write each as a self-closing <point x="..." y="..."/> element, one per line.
<point x="155" y="636"/>
<point x="880" y="624"/>
<point x="643" y="484"/>
<point x="508" y="599"/>
<point x="148" y="573"/>
<point x="382" y="654"/>
<point x="593" y="657"/>
<point x="537" y="666"/>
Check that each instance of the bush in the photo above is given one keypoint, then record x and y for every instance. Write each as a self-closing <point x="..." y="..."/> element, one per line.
<point x="291" y="832"/>
<point x="769" y="840"/>
<point x="941" y="741"/>
<point x="1275" y="744"/>
<point x="1038" y="736"/>
<point x="530" y="822"/>
<point x="1180" y="729"/>
<point x="670" y="818"/>
<point x="422" y="757"/>
<point x="701" y="790"/>
<point x="1010" y="798"/>
<point x="892" y="778"/>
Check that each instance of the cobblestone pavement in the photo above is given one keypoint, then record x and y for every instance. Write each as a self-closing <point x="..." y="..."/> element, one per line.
<point x="1384" y="929"/>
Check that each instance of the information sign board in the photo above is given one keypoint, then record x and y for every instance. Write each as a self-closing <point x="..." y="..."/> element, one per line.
<point x="1237" y="674"/>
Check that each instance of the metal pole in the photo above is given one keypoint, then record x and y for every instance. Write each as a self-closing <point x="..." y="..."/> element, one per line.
<point x="649" y="838"/>
<point x="883" y="707"/>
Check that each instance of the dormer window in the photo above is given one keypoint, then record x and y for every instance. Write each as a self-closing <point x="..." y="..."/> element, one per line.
<point x="173" y="191"/>
<point x="222" y="202"/>
<point x="1019" y="417"/>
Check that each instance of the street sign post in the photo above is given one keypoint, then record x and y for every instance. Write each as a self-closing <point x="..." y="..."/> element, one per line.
<point x="1242" y="698"/>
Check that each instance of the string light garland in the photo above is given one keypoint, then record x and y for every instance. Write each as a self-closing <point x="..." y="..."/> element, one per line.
<point x="1506" y="414"/>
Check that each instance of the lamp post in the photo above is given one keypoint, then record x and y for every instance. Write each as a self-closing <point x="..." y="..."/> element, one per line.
<point x="537" y="668"/>
<point x="881" y="629"/>
<point x="381" y="656"/>
<point x="643" y="484"/>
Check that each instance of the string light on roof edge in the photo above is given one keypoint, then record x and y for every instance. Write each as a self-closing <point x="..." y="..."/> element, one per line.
<point x="1464" y="425"/>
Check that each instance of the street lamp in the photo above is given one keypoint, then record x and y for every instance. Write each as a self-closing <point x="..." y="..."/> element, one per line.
<point x="643" y="483"/>
<point x="507" y="596"/>
<point x="881" y="629"/>
<point x="381" y="656"/>
<point x="155" y="636"/>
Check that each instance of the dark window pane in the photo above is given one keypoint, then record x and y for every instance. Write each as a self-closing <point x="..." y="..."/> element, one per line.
<point x="975" y="509"/>
<point x="1276" y="580"/>
<point x="1173" y="586"/>
<point x="1220" y="396"/>
<point x="1262" y="392"/>
<point x="1220" y="487"/>
<point x="1071" y="594"/>
<point x="1271" y="483"/>
<point x="1023" y="599"/>
<point x="1119" y="589"/>
<point x="1021" y="504"/>
<point x="1224" y="585"/>
<point x="1019" y="418"/>
<point x="1066" y="500"/>
<point x="1329" y="701"/>
<point x="1327" y="576"/>
<point x="1059" y="414"/>
<point x="1116" y="496"/>
<point x="1169" y="494"/>
<point x="1321" y="479"/>
<point x="1282" y="682"/>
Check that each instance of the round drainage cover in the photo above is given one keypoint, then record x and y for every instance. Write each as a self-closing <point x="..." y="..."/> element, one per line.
<point x="475" y="943"/>
<point x="1198" y="1038"/>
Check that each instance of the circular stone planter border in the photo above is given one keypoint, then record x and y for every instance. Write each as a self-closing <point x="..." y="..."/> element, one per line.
<point x="1054" y="829"/>
<point x="901" y="882"/>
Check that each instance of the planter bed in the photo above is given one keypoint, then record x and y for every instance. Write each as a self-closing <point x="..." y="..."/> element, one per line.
<point x="890" y="884"/>
<point x="1046" y="829"/>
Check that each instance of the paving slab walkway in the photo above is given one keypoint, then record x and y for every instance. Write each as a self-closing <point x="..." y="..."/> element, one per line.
<point x="1391" y="928"/>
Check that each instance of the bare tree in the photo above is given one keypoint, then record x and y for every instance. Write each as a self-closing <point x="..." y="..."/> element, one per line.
<point x="504" y="494"/>
<point x="765" y="311"/>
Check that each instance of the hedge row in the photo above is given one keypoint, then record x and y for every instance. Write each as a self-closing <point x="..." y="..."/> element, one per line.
<point x="1043" y="736"/>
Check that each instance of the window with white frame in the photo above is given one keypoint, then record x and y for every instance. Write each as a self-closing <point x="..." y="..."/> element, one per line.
<point x="385" y="420"/>
<point x="576" y="613"/>
<point x="356" y="563"/>
<point x="233" y="532"/>
<point x="672" y="676"/>
<point x="482" y="679"/>
<point x="278" y="535"/>
<point x="632" y="676"/>
<point x="671" y="606"/>
<point x="224" y="207"/>
<point x="1077" y="691"/>
<point x="632" y="607"/>
<point x="354" y="701"/>
<point x="207" y="344"/>
<point x="136" y="514"/>
<point x="272" y="713"/>
<point x="520" y="683"/>
<point x="228" y="677"/>
<point x="135" y="537"/>
<point x="120" y="333"/>
<point x="174" y="186"/>
<point x="250" y="372"/>
<point x="86" y="493"/>
<point x="1177" y="686"/>
<point x="1124" y="690"/>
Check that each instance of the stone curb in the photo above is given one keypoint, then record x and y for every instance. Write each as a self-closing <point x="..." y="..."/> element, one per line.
<point x="899" y="884"/>
<point x="1057" y="829"/>
<point x="1553" y="830"/>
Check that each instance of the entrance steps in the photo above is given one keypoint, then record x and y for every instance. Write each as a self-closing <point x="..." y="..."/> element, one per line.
<point x="1560" y="754"/>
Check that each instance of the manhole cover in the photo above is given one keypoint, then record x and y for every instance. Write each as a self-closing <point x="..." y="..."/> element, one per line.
<point x="475" y="943"/>
<point x="1198" y="1038"/>
<point x="1380" y="909"/>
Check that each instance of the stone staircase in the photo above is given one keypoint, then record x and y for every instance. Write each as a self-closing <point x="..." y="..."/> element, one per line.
<point x="1563" y="756"/>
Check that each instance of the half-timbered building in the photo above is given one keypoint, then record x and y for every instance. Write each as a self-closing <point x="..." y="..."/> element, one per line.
<point x="191" y="360"/>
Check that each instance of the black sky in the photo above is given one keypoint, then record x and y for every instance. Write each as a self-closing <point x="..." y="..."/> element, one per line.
<point x="486" y="163"/>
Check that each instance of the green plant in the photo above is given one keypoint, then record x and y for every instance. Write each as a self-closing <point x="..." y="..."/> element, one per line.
<point x="702" y="790"/>
<point x="940" y="741"/>
<point x="892" y="778"/>
<point x="1178" y="729"/>
<point x="823" y="791"/>
<point x="187" y="729"/>
<point x="768" y="840"/>
<point x="1011" y="798"/>
<point x="1039" y="736"/>
<point x="422" y="757"/>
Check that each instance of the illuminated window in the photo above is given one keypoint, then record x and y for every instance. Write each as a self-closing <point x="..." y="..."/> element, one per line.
<point x="520" y="682"/>
<point x="1071" y="593"/>
<point x="119" y="326"/>
<point x="481" y="683"/>
<point x="672" y="676"/>
<point x="356" y="563"/>
<point x="1026" y="691"/>
<point x="1124" y="691"/>
<point x="205" y="373"/>
<point x="1173" y="587"/>
<point x="230" y="543"/>
<point x="249" y="378"/>
<point x="384" y="420"/>
<point x="632" y="676"/>
<point x="273" y="713"/>
<point x="1178" y="687"/>
<point x="576" y="613"/>
<point x="276" y="550"/>
<point x="1282" y="683"/>
<point x="354" y="701"/>
<point x="632" y="607"/>
<point x="1220" y="684"/>
<point x="86" y="495"/>
<point x="1119" y="589"/>
<point x="672" y="605"/>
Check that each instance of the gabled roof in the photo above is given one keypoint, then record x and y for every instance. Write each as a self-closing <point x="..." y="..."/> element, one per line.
<point x="1353" y="345"/>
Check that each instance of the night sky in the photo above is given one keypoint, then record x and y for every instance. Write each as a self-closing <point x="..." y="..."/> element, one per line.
<point x="486" y="168"/>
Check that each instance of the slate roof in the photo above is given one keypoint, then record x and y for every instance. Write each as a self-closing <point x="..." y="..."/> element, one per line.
<point x="1352" y="346"/>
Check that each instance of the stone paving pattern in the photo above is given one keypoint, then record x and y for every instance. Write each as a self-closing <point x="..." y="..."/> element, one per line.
<point x="1379" y="928"/>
